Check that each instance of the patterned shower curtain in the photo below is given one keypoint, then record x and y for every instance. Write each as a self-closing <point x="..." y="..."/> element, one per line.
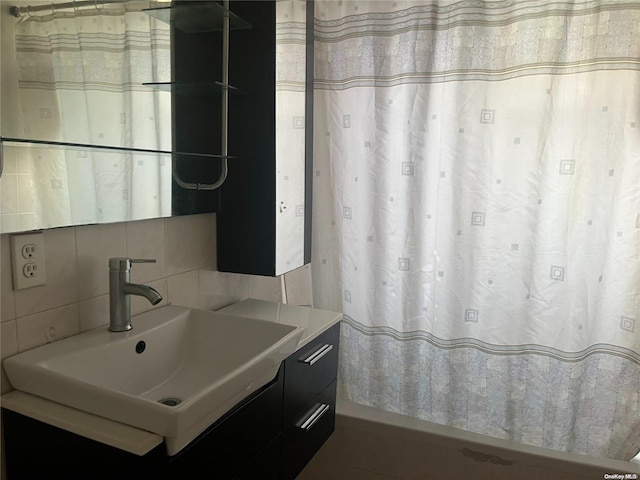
<point x="477" y="213"/>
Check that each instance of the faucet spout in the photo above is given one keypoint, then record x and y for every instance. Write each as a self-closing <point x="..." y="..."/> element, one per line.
<point x="145" y="291"/>
<point x="120" y="291"/>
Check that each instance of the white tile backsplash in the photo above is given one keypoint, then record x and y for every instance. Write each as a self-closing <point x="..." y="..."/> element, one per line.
<point x="184" y="288"/>
<point x="95" y="245"/>
<point x="146" y="239"/>
<point x="218" y="289"/>
<point x="93" y="312"/>
<point x="48" y="326"/>
<point x="215" y="293"/>
<point x="190" y="243"/>
<point x="267" y="288"/>
<point x="8" y="346"/>
<point x="60" y="289"/>
<point x="7" y="304"/>
<point x="298" y="286"/>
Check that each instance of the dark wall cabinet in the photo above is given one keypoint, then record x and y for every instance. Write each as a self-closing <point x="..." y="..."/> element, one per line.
<point x="264" y="206"/>
<point x="271" y="435"/>
<point x="264" y="220"/>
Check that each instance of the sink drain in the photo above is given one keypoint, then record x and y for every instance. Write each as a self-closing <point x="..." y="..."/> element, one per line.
<point x="170" y="401"/>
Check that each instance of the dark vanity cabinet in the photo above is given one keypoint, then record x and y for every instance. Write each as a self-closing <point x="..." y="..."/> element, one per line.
<point x="271" y="435"/>
<point x="309" y="400"/>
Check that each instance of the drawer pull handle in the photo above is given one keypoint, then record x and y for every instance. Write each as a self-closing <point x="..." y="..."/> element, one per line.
<point x="314" y="417"/>
<point x="318" y="354"/>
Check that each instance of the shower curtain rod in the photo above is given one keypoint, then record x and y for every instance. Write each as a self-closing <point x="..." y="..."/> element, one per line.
<point x="18" y="11"/>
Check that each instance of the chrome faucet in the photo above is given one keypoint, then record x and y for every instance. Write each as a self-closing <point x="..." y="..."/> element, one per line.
<point x="120" y="290"/>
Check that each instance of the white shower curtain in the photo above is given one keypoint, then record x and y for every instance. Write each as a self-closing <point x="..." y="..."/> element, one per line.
<point x="80" y="80"/>
<point x="477" y="213"/>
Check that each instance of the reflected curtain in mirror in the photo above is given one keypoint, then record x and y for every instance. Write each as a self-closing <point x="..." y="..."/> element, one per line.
<point x="79" y="79"/>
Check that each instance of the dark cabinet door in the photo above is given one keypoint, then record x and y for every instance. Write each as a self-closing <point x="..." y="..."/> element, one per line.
<point x="309" y="371"/>
<point x="255" y="224"/>
<point x="309" y="400"/>
<point x="304" y="437"/>
<point x="230" y="444"/>
<point x="248" y="435"/>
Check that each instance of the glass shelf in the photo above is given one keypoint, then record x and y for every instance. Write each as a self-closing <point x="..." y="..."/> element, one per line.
<point x="81" y="147"/>
<point x="198" y="17"/>
<point x="204" y="89"/>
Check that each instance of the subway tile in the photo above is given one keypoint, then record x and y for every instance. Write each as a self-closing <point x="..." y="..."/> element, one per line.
<point x="184" y="289"/>
<point x="219" y="289"/>
<point x="298" y="285"/>
<point x="190" y="243"/>
<point x="61" y="281"/>
<point x="48" y="326"/>
<point x="146" y="239"/>
<point x="263" y="288"/>
<point x="8" y="347"/>
<point x="93" y="312"/>
<point x="95" y="245"/>
<point x="7" y="301"/>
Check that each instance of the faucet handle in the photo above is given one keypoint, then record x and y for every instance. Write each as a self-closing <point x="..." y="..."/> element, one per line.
<point x="118" y="264"/>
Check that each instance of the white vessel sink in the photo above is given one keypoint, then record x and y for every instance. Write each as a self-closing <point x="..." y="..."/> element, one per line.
<point x="200" y="363"/>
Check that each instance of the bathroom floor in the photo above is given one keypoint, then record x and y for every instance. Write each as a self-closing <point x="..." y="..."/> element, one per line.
<point x="362" y="454"/>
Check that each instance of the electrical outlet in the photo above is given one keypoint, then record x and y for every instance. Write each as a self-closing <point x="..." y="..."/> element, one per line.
<point x="30" y="270"/>
<point x="28" y="260"/>
<point x="28" y="250"/>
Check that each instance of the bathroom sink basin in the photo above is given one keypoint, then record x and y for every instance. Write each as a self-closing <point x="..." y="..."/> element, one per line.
<point x="174" y="374"/>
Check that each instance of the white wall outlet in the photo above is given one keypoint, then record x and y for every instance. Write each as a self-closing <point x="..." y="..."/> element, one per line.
<point x="28" y="260"/>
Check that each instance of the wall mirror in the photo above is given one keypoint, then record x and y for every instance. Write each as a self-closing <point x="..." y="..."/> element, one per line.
<point x="89" y="95"/>
<point x="100" y="99"/>
<point x="75" y="73"/>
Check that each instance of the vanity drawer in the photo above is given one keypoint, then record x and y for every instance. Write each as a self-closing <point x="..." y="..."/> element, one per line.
<point x="304" y="437"/>
<point x="308" y="372"/>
